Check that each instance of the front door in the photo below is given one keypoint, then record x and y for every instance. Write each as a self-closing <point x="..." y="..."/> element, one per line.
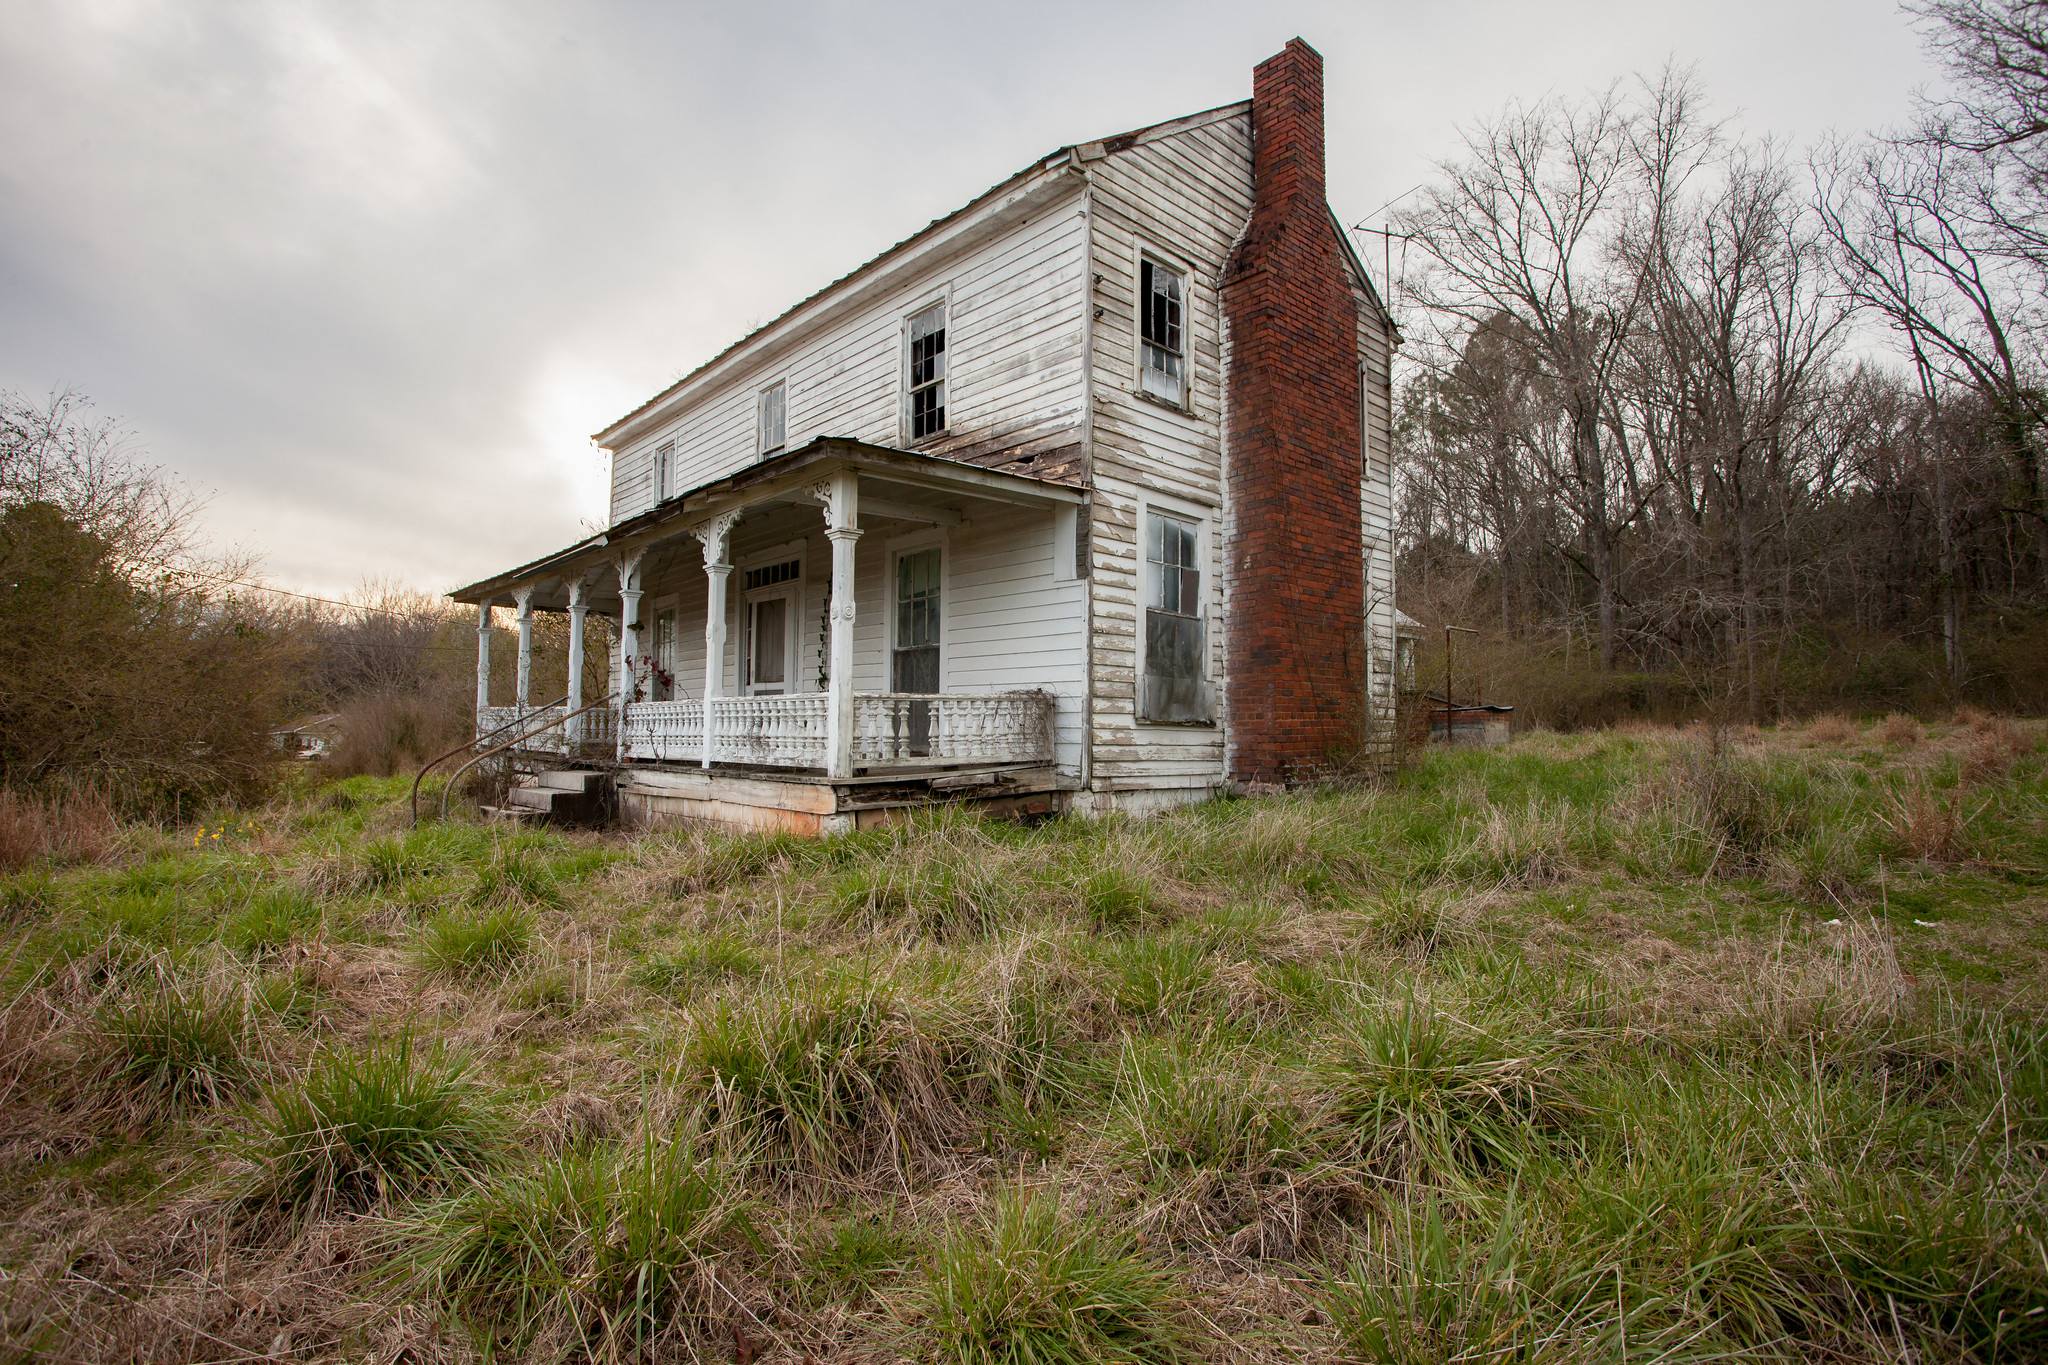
<point x="768" y="652"/>
<point x="915" y="666"/>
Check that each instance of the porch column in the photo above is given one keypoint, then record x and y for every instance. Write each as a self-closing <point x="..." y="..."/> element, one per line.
<point x="483" y="662"/>
<point x="842" y="516"/>
<point x="523" y="698"/>
<point x="577" y="606"/>
<point x="717" y="536"/>
<point x="629" y="636"/>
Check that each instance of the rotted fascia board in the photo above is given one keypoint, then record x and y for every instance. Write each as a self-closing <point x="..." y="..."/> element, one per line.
<point x="1029" y="194"/>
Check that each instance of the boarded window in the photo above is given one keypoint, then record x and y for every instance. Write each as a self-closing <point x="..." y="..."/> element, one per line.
<point x="1160" y="295"/>
<point x="928" y="372"/>
<point x="1173" y="689"/>
<point x="774" y="419"/>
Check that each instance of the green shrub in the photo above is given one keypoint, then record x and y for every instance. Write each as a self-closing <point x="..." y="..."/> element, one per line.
<point x="475" y="942"/>
<point x="1028" y="1285"/>
<point x="393" y="1118"/>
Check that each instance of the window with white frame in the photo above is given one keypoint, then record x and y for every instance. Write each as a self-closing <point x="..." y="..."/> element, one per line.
<point x="926" y="381"/>
<point x="774" y="424"/>
<point x="1174" y="635"/>
<point x="1162" y="369"/>
<point x="664" y="470"/>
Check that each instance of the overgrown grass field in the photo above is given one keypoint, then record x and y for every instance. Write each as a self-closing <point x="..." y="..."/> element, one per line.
<point x="1643" y="1046"/>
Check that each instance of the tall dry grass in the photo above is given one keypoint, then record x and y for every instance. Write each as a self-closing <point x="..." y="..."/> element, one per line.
<point x="67" y="826"/>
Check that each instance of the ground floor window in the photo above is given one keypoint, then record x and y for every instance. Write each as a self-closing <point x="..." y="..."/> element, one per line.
<point x="1174" y="638"/>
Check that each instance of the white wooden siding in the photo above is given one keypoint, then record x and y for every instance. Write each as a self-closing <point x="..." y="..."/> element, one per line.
<point x="1188" y="196"/>
<point x="1014" y="357"/>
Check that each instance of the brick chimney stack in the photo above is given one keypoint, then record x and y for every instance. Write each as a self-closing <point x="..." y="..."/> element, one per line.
<point x="1296" y="641"/>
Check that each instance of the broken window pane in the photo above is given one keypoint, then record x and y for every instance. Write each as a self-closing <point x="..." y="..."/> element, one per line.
<point x="928" y="372"/>
<point x="1160" y="292"/>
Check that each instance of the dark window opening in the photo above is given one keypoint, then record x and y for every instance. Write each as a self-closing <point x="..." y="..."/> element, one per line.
<point x="1160" y="296"/>
<point x="768" y="575"/>
<point x="928" y="372"/>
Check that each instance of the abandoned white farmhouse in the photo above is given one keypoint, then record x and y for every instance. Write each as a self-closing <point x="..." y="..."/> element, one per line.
<point x="1076" y="499"/>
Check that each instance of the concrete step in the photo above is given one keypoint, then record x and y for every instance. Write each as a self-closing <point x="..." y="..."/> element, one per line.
<point x="579" y="780"/>
<point x="514" y="815"/>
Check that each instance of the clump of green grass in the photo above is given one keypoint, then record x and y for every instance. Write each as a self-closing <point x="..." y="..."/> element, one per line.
<point x="1152" y="976"/>
<point x="1027" y="1285"/>
<point x="394" y="1118"/>
<point x="1413" y="1079"/>
<point x="699" y="962"/>
<point x="807" y="1072"/>
<point x="179" y="1046"/>
<point x="473" y="942"/>
<point x="273" y="918"/>
<point x="1197" y="1105"/>
<point x="1116" y="896"/>
<point x="612" y="1250"/>
<point x="516" y="877"/>
<point x="858" y="1254"/>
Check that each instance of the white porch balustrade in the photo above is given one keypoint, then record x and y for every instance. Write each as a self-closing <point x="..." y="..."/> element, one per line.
<point x="543" y="727"/>
<point x="890" y="730"/>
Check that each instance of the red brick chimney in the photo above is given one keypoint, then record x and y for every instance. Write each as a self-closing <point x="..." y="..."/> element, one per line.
<point x="1296" y="638"/>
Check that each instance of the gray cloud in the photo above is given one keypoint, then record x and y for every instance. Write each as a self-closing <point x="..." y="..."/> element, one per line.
<point x="371" y="273"/>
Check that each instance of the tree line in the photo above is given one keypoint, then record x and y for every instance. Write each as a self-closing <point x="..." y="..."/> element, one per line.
<point x="1693" y="422"/>
<point x="150" y="674"/>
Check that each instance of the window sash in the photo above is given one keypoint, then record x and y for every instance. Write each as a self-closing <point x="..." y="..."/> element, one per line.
<point x="1161" y="299"/>
<point x="664" y="461"/>
<point x="774" y="418"/>
<point x="1173" y="579"/>
<point x="917" y="599"/>
<point x="927" y="372"/>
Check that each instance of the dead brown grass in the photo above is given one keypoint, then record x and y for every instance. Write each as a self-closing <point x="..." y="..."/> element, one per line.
<point x="75" y="826"/>
<point x="1831" y="731"/>
<point x="1899" y="731"/>
<point x="1930" y="823"/>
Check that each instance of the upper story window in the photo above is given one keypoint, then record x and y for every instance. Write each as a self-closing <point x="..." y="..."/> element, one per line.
<point x="927" y="378"/>
<point x="1162" y="370"/>
<point x="774" y="419"/>
<point x="664" y="470"/>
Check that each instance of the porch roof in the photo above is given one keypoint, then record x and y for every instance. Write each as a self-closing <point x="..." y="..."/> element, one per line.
<point x="763" y="482"/>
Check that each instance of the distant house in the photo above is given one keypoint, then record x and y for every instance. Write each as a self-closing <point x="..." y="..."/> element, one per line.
<point x="309" y="736"/>
<point x="1078" y="498"/>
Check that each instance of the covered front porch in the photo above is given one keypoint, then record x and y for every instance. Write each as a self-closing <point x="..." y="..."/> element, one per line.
<point x="841" y="614"/>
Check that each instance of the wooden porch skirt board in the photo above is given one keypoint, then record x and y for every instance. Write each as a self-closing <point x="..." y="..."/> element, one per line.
<point x="818" y="806"/>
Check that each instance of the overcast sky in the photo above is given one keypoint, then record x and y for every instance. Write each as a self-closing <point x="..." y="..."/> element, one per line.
<point x="370" y="274"/>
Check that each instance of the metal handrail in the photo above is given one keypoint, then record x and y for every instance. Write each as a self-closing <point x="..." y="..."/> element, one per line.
<point x="456" y="776"/>
<point x="467" y="744"/>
